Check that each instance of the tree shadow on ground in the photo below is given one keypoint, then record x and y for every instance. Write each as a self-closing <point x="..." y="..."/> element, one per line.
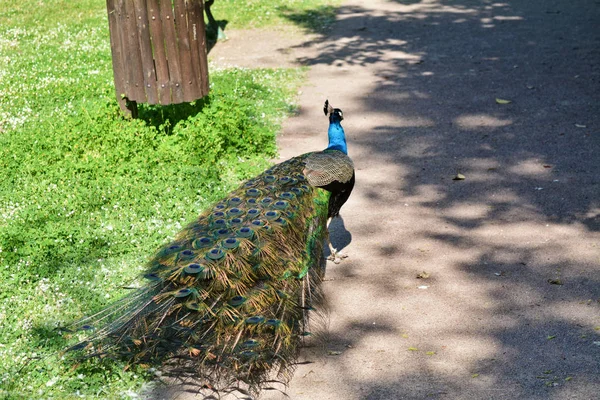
<point x="525" y="216"/>
<point x="317" y="20"/>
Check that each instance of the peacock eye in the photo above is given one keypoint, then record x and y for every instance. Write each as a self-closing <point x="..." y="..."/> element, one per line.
<point x="271" y="215"/>
<point x="223" y="232"/>
<point x="281" y="205"/>
<point x="255" y="320"/>
<point x="237" y="301"/>
<point x="183" y="292"/>
<point x="235" y="211"/>
<point x="193" y="268"/>
<point x="245" y="232"/>
<point x="235" y="201"/>
<point x="253" y="192"/>
<point x="215" y="254"/>
<point x="152" y="277"/>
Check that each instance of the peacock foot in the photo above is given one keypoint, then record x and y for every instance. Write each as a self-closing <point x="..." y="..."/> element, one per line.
<point x="336" y="256"/>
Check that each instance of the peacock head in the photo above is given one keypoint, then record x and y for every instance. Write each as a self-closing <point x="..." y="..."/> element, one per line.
<point x="335" y="114"/>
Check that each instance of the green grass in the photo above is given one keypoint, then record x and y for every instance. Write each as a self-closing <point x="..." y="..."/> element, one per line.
<point x="312" y="15"/>
<point x="86" y="195"/>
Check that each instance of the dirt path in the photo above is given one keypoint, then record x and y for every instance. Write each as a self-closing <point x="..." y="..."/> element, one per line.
<point x="260" y="48"/>
<point x="417" y="82"/>
<point x="511" y="308"/>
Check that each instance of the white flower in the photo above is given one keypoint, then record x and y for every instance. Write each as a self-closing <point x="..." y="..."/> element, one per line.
<point x="52" y="381"/>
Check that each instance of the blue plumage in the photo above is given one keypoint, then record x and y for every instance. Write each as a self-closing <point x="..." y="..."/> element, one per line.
<point x="337" y="136"/>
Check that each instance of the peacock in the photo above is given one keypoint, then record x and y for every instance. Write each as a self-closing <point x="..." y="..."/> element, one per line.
<point x="227" y="301"/>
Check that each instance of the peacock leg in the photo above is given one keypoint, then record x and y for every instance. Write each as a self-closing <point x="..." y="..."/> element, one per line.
<point x="335" y="256"/>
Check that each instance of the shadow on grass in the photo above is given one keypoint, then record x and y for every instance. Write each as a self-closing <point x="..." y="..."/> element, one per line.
<point x="170" y="115"/>
<point x="316" y="20"/>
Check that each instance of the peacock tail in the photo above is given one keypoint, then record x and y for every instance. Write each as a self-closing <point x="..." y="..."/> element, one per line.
<point x="227" y="300"/>
<point x="228" y="297"/>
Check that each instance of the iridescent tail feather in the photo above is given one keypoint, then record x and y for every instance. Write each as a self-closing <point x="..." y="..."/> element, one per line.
<point x="227" y="301"/>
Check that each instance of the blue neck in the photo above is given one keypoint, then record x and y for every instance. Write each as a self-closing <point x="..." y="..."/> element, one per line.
<point x="337" y="138"/>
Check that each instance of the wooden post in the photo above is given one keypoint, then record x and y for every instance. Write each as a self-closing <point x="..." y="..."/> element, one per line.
<point x="158" y="50"/>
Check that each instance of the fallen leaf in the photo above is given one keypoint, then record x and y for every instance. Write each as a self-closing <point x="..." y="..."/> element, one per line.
<point x="423" y="275"/>
<point x="555" y="281"/>
<point x="334" y="353"/>
<point x="430" y="353"/>
<point x="474" y="375"/>
<point x="195" y="352"/>
<point x="568" y="378"/>
<point x="459" y="177"/>
<point x="502" y="101"/>
<point x="550" y="337"/>
<point x="413" y="349"/>
<point x="547" y="166"/>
